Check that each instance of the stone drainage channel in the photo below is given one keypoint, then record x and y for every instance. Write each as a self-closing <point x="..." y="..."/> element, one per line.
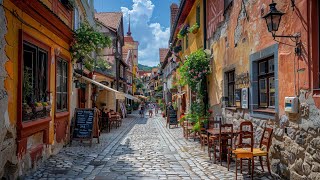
<point x="142" y="148"/>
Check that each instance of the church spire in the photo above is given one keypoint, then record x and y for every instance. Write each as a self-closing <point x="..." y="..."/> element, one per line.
<point x="129" y="31"/>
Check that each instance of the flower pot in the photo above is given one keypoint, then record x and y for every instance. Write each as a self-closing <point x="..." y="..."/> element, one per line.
<point x="195" y="31"/>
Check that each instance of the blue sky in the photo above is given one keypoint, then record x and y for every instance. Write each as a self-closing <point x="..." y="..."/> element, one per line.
<point x="150" y="21"/>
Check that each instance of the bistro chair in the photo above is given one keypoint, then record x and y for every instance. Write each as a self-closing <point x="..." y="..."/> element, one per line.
<point x="243" y="150"/>
<point x="213" y="138"/>
<point x="225" y="139"/>
<point x="203" y="133"/>
<point x="264" y="147"/>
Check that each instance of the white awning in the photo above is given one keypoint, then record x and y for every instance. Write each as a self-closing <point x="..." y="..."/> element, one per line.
<point x="97" y="83"/>
<point x="132" y="97"/>
<point x="118" y="95"/>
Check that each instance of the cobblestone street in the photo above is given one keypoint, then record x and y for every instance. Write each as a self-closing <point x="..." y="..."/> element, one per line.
<point x="142" y="148"/>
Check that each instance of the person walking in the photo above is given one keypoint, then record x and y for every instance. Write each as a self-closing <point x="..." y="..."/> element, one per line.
<point x="156" y="108"/>
<point x="141" y="110"/>
<point x="151" y="107"/>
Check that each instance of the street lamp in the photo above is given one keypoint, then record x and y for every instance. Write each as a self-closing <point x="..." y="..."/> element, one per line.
<point x="273" y="19"/>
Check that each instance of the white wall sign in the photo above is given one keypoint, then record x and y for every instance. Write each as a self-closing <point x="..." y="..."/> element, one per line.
<point x="245" y="98"/>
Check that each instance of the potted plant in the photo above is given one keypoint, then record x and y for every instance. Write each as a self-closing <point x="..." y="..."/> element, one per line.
<point x="47" y="108"/>
<point x="183" y="31"/>
<point x="194" y="29"/>
<point x="26" y="111"/>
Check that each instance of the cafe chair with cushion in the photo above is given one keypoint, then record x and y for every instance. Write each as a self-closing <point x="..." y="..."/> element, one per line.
<point x="244" y="149"/>
<point x="264" y="147"/>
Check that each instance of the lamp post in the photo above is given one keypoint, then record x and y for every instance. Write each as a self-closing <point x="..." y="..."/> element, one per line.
<point x="273" y="20"/>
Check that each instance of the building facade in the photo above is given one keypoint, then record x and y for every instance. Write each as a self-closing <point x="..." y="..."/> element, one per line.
<point x="271" y="81"/>
<point x="36" y="82"/>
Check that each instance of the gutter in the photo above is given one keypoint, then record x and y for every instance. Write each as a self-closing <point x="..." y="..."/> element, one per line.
<point x="182" y="3"/>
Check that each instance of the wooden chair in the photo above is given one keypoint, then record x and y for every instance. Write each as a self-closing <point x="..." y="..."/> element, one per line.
<point x="216" y="123"/>
<point x="243" y="150"/>
<point x="203" y="134"/>
<point x="225" y="139"/>
<point x="264" y="147"/>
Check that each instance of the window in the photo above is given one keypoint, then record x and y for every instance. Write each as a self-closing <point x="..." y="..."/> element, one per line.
<point x="198" y="15"/>
<point x="76" y="19"/>
<point x="187" y="41"/>
<point x="266" y="83"/>
<point x="230" y="87"/>
<point x="62" y="85"/>
<point x="35" y="77"/>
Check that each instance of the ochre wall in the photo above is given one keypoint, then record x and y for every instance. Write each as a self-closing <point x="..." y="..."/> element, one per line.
<point x="39" y="32"/>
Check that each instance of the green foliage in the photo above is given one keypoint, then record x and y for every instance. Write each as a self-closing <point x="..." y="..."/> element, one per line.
<point x="88" y="40"/>
<point x="193" y="28"/>
<point x="194" y="69"/>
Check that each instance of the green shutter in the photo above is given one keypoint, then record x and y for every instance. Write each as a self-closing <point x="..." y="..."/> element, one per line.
<point x="198" y="15"/>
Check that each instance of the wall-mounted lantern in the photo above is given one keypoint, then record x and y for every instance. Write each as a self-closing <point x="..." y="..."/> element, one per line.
<point x="273" y="20"/>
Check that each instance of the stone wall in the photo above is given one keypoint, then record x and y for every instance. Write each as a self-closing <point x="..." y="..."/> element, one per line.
<point x="8" y="161"/>
<point x="294" y="152"/>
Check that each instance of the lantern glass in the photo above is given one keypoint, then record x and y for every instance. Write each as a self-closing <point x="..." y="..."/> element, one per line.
<point x="273" y="18"/>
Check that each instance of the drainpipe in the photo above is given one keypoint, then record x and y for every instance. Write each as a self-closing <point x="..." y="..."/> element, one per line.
<point x="206" y="98"/>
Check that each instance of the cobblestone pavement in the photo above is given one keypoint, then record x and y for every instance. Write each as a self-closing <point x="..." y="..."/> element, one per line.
<point x="142" y="148"/>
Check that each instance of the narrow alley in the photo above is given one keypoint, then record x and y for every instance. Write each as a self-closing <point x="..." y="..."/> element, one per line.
<point x="142" y="148"/>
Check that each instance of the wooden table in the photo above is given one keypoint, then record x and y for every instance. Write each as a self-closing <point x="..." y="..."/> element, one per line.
<point x="216" y="132"/>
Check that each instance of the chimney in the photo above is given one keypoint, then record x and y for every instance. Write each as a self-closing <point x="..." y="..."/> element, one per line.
<point x="174" y="12"/>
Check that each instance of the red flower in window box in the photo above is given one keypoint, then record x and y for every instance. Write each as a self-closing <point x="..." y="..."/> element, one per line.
<point x="210" y="111"/>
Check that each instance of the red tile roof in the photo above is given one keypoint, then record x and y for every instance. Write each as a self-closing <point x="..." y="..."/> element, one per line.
<point x="110" y="19"/>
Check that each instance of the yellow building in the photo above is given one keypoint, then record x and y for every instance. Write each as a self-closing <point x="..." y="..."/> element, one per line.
<point x="38" y="73"/>
<point x="184" y="43"/>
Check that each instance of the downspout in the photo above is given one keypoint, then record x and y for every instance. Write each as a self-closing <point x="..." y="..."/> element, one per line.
<point x="206" y="98"/>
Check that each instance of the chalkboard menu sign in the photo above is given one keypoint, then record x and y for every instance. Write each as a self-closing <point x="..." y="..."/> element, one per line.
<point x="173" y="120"/>
<point x="83" y="124"/>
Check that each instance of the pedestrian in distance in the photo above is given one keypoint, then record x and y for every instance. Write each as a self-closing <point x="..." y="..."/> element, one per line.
<point x="141" y="110"/>
<point x="151" y="107"/>
<point x="156" y="108"/>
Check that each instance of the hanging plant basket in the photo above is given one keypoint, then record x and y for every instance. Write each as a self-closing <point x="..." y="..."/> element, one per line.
<point x="194" y="29"/>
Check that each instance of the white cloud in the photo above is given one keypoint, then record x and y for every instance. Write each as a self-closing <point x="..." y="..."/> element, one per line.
<point x="151" y="36"/>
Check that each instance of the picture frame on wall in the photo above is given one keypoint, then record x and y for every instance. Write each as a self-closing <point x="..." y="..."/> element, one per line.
<point x="245" y="98"/>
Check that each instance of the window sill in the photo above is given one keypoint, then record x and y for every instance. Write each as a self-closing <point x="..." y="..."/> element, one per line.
<point x="35" y="126"/>
<point x="270" y="111"/>
<point x="61" y="114"/>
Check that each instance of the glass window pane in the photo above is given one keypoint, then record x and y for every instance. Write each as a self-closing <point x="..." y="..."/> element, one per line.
<point x="263" y="68"/>
<point x="263" y="93"/>
<point x="271" y="65"/>
<point x="65" y="104"/>
<point x="231" y="94"/>
<point x="271" y="92"/>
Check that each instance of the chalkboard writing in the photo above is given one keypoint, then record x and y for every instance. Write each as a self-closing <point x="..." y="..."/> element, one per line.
<point x="83" y="124"/>
<point x="173" y="117"/>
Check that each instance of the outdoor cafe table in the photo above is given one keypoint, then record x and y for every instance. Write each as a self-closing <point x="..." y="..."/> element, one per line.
<point x="216" y="132"/>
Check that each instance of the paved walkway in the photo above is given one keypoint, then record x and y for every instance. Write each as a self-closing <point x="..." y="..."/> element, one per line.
<point x="141" y="148"/>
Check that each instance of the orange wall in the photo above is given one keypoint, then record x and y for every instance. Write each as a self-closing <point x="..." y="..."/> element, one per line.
<point x="42" y="34"/>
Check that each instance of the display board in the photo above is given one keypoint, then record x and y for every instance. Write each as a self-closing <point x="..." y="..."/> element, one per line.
<point x="85" y="125"/>
<point x="172" y="115"/>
